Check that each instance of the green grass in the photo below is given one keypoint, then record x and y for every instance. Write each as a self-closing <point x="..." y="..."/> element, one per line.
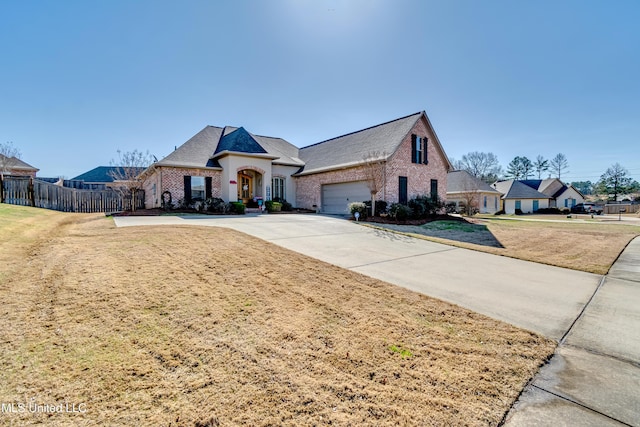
<point x="405" y="353"/>
<point x="454" y="226"/>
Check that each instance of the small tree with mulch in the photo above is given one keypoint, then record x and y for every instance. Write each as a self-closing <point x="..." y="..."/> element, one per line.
<point x="374" y="166"/>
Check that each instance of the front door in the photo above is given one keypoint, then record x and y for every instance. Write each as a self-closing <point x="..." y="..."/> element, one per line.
<point x="245" y="190"/>
<point x="536" y="205"/>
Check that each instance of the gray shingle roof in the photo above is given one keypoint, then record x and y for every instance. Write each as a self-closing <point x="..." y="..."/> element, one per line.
<point x="17" y="164"/>
<point x="512" y="189"/>
<point x="197" y="151"/>
<point x="463" y="181"/>
<point x="286" y="153"/>
<point x="100" y="174"/>
<point x="351" y="149"/>
<point x="239" y="141"/>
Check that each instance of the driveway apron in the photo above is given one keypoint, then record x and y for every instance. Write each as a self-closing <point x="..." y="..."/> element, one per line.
<point x="594" y="377"/>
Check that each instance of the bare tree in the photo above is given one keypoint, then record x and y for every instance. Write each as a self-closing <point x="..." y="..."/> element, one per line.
<point x="559" y="165"/>
<point x="374" y="166"/>
<point x="126" y="172"/>
<point x="470" y="195"/>
<point x="9" y="156"/>
<point x="481" y="165"/>
<point x="540" y="165"/>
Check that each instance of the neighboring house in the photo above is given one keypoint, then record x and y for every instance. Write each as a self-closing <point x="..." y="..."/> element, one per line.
<point x="561" y="195"/>
<point x="96" y="179"/>
<point x="465" y="189"/>
<point x="16" y="167"/>
<point x="517" y="195"/>
<point x="234" y="164"/>
<point x="529" y="195"/>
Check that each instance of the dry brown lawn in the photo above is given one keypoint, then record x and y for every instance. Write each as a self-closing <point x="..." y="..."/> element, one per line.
<point x="208" y="326"/>
<point x="592" y="247"/>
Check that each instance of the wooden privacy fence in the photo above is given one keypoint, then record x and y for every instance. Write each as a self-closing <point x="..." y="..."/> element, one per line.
<point x="614" y="208"/>
<point x="28" y="191"/>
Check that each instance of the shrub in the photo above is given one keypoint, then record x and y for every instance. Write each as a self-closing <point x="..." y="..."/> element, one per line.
<point x="359" y="207"/>
<point x="236" y="207"/>
<point x="424" y="206"/>
<point x="215" y="205"/>
<point x="451" y="208"/>
<point x="381" y="207"/>
<point x="273" y="206"/>
<point x="549" y="211"/>
<point x="286" y="206"/>
<point x="500" y="212"/>
<point x="565" y="211"/>
<point x="400" y="212"/>
<point x="518" y="211"/>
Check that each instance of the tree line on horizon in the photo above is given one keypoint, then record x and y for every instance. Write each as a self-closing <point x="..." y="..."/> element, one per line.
<point x="613" y="182"/>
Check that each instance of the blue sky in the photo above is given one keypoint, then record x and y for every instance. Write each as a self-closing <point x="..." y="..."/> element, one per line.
<point x="80" y="80"/>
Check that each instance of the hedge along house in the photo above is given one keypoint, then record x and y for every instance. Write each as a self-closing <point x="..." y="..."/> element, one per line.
<point x="233" y="164"/>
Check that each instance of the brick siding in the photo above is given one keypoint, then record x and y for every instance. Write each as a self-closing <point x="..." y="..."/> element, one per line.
<point x="419" y="176"/>
<point x="172" y="180"/>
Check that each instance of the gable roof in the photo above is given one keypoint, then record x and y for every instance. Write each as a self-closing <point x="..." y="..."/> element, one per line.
<point x="100" y="174"/>
<point x="197" y="151"/>
<point x="512" y="189"/>
<point x="351" y="149"/>
<point x="15" y="163"/>
<point x="461" y="181"/>
<point x="282" y="151"/>
<point x="239" y="141"/>
<point x="201" y="150"/>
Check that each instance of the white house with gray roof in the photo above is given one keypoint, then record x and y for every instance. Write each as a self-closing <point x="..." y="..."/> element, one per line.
<point x="236" y="165"/>
<point x="530" y="195"/>
<point x="465" y="189"/>
<point x="516" y="195"/>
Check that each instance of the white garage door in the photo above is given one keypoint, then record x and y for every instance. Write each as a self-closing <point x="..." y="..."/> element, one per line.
<point x="336" y="197"/>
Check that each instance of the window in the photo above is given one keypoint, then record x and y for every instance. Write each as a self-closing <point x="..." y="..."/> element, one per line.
<point x="279" y="188"/>
<point x="434" y="189"/>
<point x="419" y="149"/>
<point x="402" y="190"/>
<point x="197" y="188"/>
<point x="485" y="202"/>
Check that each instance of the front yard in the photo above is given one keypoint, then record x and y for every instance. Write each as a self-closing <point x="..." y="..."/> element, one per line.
<point x="590" y="246"/>
<point x="208" y="326"/>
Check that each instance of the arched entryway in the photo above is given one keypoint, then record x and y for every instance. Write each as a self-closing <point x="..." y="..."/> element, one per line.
<point x="249" y="186"/>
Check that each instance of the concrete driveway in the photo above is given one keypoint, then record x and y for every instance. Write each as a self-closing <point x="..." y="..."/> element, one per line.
<point x="533" y="296"/>
<point x="594" y="378"/>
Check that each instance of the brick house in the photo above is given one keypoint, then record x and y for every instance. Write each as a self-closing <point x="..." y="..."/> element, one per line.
<point x="16" y="167"/>
<point x="234" y="164"/>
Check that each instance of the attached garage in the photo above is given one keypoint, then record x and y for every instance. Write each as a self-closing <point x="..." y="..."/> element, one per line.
<point x="336" y="197"/>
